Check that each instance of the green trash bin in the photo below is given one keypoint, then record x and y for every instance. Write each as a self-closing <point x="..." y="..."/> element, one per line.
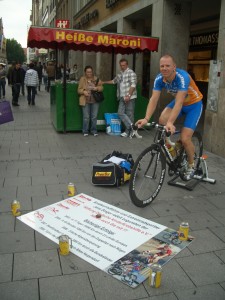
<point x="74" y="110"/>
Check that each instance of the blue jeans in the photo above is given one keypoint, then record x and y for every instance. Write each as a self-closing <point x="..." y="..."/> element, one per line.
<point x="90" y="111"/>
<point x="31" y="91"/>
<point x="126" y="113"/>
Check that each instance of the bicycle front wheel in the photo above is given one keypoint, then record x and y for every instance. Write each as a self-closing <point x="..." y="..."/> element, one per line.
<point x="147" y="176"/>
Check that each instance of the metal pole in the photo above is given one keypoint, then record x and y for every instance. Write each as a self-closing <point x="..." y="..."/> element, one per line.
<point x="134" y="61"/>
<point x="112" y="69"/>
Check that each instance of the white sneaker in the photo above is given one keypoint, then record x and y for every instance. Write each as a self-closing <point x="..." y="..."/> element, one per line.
<point x="124" y="134"/>
<point x="95" y="134"/>
<point x="189" y="174"/>
<point x="85" y="134"/>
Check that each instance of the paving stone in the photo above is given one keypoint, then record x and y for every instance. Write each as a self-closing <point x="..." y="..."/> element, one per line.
<point x="167" y="209"/>
<point x="41" y="180"/>
<point x="43" y="243"/>
<point x="102" y="282"/>
<point x="18" y="164"/>
<point x="56" y="189"/>
<point x="7" y="222"/>
<point x="17" y="181"/>
<point x="19" y="290"/>
<point x="51" y="155"/>
<point x="41" y="163"/>
<point x="71" y="177"/>
<point x="73" y="264"/>
<point x="169" y="296"/>
<point x="205" y="241"/>
<point x="173" y="278"/>
<point x="16" y="242"/>
<point x="203" y="268"/>
<point x="8" y="193"/>
<point x="217" y="200"/>
<point x="169" y="221"/>
<point x="55" y="171"/>
<point x="42" y="201"/>
<point x="29" y="265"/>
<point x="6" y="261"/>
<point x="69" y="287"/>
<point x="221" y="255"/>
<point x="200" y="220"/>
<point x="209" y="292"/>
<point x="196" y="203"/>
<point x="9" y="173"/>
<point x="20" y="226"/>
<point x="31" y="172"/>
<point x="220" y="232"/>
<point x="218" y="214"/>
<point x="31" y="191"/>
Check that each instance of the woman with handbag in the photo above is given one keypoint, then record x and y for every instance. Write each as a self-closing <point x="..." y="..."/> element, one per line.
<point x="87" y="85"/>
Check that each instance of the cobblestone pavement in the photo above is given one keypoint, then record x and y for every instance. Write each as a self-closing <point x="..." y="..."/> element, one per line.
<point x="36" y="164"/>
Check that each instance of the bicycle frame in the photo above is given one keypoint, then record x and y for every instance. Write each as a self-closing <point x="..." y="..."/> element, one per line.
<point x="159" y="140"/>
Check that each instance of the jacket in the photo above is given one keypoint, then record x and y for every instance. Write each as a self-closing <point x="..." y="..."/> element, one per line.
<point x="31" y="78"/>
<point x="83" y="86"/>
<point x="50" y="70"/>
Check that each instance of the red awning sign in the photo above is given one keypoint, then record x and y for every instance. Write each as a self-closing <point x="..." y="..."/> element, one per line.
<point x="48" y="37"/>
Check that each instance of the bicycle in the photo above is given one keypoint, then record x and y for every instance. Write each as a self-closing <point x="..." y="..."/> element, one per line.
<point x="149" y="170"/>
<point x="173" y="237"/>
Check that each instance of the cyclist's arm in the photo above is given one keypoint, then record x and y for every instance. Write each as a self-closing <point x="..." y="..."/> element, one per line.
<point x="150" y="108"/>
<point x="179" y="100"/>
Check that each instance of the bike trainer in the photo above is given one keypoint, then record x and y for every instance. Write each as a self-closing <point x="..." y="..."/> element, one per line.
<point x="201" y="175"/>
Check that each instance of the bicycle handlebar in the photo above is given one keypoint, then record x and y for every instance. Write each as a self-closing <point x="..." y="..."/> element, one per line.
<point x="160" y="127"/>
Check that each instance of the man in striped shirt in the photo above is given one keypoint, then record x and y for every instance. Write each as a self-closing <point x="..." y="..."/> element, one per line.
<point x="126" y="81"/>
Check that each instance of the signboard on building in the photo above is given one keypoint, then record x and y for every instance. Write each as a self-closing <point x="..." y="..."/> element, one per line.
<point x="204" y="40"/>
<point x="62" y="23"/>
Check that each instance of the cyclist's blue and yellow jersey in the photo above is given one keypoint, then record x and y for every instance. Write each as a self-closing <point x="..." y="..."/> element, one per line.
<point x="181" y="82"/>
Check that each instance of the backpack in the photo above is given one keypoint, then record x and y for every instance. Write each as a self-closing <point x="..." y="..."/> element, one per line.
<point x="114" y="169"/>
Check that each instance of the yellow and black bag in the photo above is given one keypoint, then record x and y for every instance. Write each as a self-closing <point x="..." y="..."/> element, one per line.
<point x="107" y="172"/>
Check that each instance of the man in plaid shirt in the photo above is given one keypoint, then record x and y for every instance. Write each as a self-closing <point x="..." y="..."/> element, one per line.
<point x="126" y="82"/>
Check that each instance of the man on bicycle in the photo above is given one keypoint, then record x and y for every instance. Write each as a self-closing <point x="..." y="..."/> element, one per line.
<point x="188" y="102"/>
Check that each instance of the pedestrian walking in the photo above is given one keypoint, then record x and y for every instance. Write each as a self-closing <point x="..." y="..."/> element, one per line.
<point x="31" y="81"/>
<point x="17" y="79"/>
<point x="2" y="81"/>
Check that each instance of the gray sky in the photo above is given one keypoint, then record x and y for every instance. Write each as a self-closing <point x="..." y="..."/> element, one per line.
<point x="15" y="15"/>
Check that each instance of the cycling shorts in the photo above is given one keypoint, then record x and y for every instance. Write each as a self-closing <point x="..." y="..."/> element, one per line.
<point x="191" y="112"/>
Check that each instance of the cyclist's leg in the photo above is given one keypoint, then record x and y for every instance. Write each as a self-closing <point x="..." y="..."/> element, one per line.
<point x="186" y="135"/>
<point x="166" y="113"/>
<point x="193" y="113"/>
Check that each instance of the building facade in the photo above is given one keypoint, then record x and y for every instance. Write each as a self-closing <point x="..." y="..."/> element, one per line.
<point x="192" y="31"/>
<point x="3" y="58"/>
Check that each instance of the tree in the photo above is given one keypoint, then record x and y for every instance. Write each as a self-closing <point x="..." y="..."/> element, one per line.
<point x="14" y="51"/>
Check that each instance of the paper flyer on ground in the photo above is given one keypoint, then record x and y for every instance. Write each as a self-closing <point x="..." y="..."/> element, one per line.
<point x="108" y="237"/>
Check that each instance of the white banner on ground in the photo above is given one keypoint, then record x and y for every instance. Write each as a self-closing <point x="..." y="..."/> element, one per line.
<point x="100" y="233"/>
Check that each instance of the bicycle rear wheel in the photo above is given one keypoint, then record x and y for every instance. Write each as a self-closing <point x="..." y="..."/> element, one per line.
<point x="197" y="141"/>
<point x="147" y="176"/>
